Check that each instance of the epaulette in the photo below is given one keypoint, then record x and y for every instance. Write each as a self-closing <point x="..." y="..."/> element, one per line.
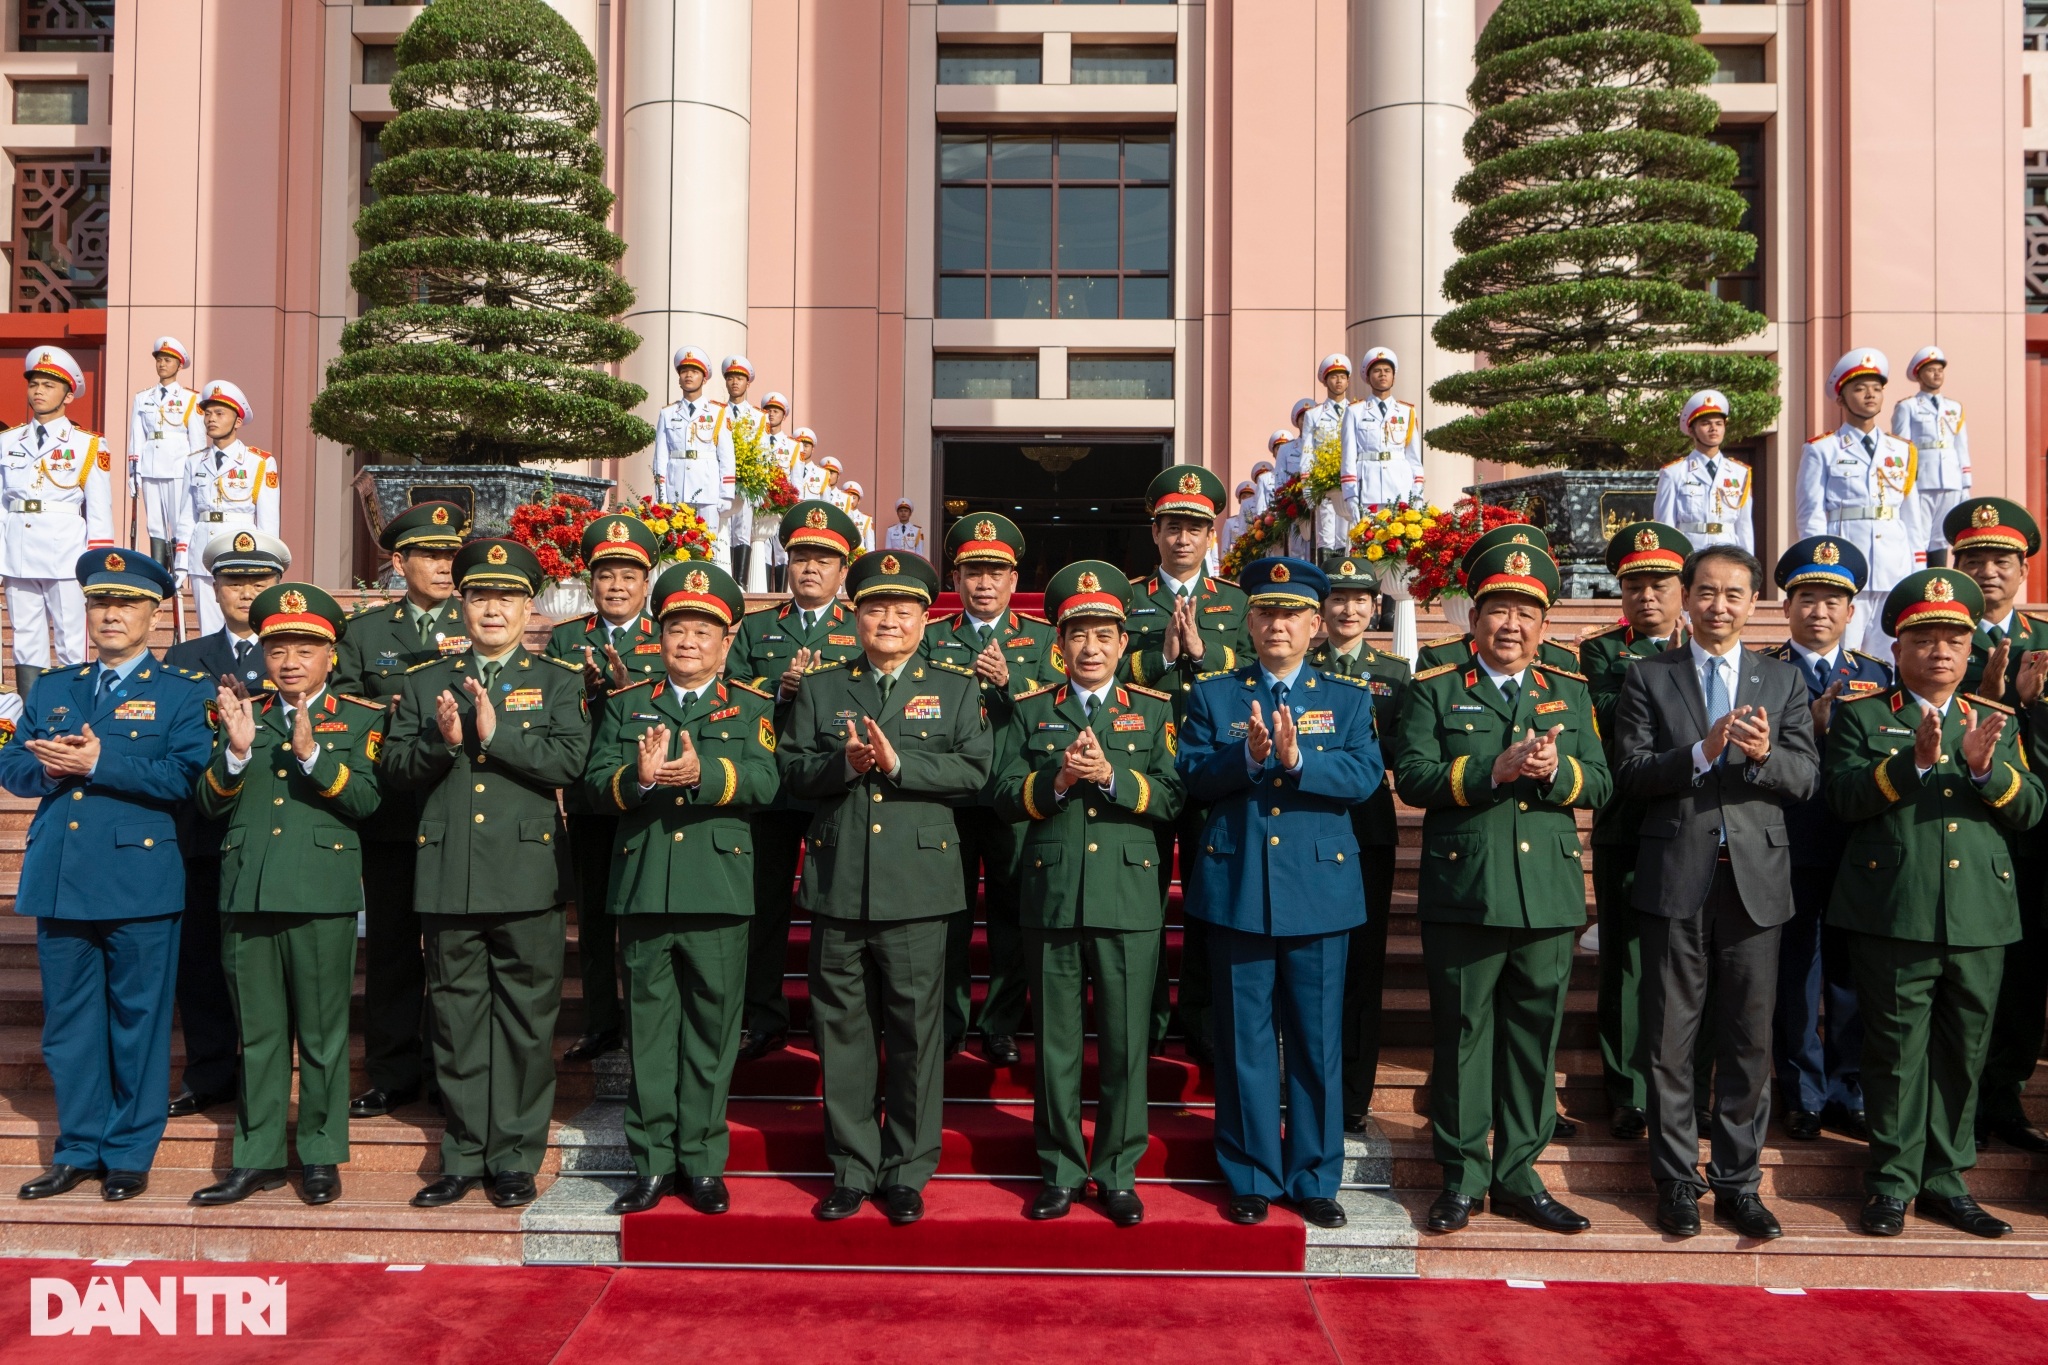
<point x="1561" y="672"/>
<point x="1599" y="631"/>
<point x="1871" y="696"/>
<point x="1049" y="687"/>
<point x="192" y="674"/>
<point x="1872" y="657"/>
<point x="1148" y="691"/>
<point x="361" y="701"/>
<point x="649" y="682"/>
<point x="765" y="606"/>
<point x="366" y="609"/>
<point x="1436" y="672"/>
<point x="1347" y="678"/>
<point x="1569" y="646"/>
<point x="563" y="663"/>
<point x="1219" y="673"/>
<point x="816" y="669"/>
<point x="427" y="663"/>
<point x="952" y="667"/>
<point x="1034" y="616"/>
<point x="1442" y="640"/>
<point x="1397" y="658"/>
<point x="1976" y="700"/>
<point x="749" y="687"/>
<point x="1817" y="439"/>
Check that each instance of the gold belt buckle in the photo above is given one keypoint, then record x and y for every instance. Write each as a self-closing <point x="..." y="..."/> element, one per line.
<point x="1884" y="514"/>
<point x="213" y="516"/>
<point x="1713" y="528"/>
<point x="31" y="504"/>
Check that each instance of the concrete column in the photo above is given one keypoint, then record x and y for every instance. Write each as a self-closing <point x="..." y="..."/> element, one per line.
<point x="582" y="16"/>
<point x="1410" y="63"/>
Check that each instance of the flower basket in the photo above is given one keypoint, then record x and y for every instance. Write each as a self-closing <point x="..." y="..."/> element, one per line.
<point x="553" y="529"/>
<point x="678" y="530"/>
<point x="1292" y="501"/>
<point x="1435" y="556"/>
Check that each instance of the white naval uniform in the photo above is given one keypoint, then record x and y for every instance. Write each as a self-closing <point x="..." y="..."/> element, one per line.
<point x="809" y="478"/>
<point x="1933" y="425"/>
<point x="742" y="418"/>
<point x="1227" y="532"/>
<point x="865" y="524"/>
<point x="165" y="428"/>
<point x="224" y="487"/>
<point x="693" y="463"/>
<point x="1857" y="486"/>
<point x="57" y="485"/>
<point x="1382" y="454"/>
<point x="783" y="451"/>
<point x="1325" y="422"/>
<point x="904" y="535"/>
<point x="1290" y="462"/>
<point x="1711" y="506"/>
<point x="1263" y="499"/>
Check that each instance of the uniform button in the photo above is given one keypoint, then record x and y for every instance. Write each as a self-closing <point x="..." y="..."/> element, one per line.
<point x="1941" y="758"/>
<point x="2005" y="876"/>
<point x="277" y="800"/>
<point x="1038" y="862"/>
<point x="1948" y="791"/>
<point x="1955" y="862"/>
<point x="1523" y="804"/>
<point x="1148" y="862"/>
<point x="479" y="817"/>
<point x="1274" y="840"/>
<point x="1895" y="752"/>
<point x="679" y="836"/>
<point x="1468" y="725"/>
<point x="1951" y="827"/>
<point x="1454" y="855"/>
<point x="875" y="829"/>
<point x="1340" y="857"/>
<point x="74" y="824"/>
<point x="133" y="733"/>
<point x="280" y="772"/>
<point x="1276" y="781"/>
<point x="1873" y="863"/>
<point x="479" y="786"/>
<point x="423" y="840"/>
<point x="277" y="831"/>
<point x="1212" y="847"/>
<point x="1091" y="811"/>
<point x="1525" y="845"/>
<point x="943" y="846"/>
<point x="878" y="796"/>
<point x="547" y="838"/>
<point x="80" y="795"/>
<point x="1091" y="848"/>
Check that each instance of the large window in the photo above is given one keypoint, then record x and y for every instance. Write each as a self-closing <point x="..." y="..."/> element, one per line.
<point x="1739" y="63"/>
<point x="380" y="63"/>
<point x="1746" y="287"/>
<point x="1103" y="64"/>
<point x="1120" y="376"/>
<point x="997" y="64"/>
<point x="66" y="25"/>
<point x="1078" y="225"/>
<point x="50" y="102"/>
<point x="985" y="376"/>
<point x="59" y="250"/>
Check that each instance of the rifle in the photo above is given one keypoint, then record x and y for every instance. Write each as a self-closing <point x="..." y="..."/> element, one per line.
<point x="134" y="498"/>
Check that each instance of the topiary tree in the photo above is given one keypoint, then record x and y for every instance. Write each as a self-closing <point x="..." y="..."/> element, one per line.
<point x="486" y="257"/>
<point x="1601" y="214"/>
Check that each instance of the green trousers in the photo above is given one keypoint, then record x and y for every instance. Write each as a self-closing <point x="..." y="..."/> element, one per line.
<point x="1123" y="964"/>
<point x="2016" y="1028"/>
<point x="597" y="960"/>
<point x="291" y="976"/>
<point x="1624" y="1049"/>
<point x="1926" y="1023"/>
<point x="685" y="983"/>
<point x="1193" y="999"/>
<point x="778" y="837"/>
<point x="899" y="967"/>
<point x="1365" y="975"/>
<point x="1496" y="1006"/>
<point x="494" y="987"/>
<point x="989" y="849"/>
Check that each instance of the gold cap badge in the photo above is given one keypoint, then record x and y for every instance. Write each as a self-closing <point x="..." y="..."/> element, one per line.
<point x="1940" y="590"/>
<point x="1088" y="582"/>
<point x="1347" y="569"/>
<point x="697" y="581"/>
<point x="616" y="534"/>
<point x="1519" y="564"/>
<point x="1281" y="574"/>
<point x="1827" y="552"/>
<point x="496" y="554"/>
<point x="984" y="530"/>
<point x="244" y="542"/>
<point x="816" y="519"/>
<point x="293" y="602"/>
<point x="1190" y="483"/>
<point x="114" y="563"/>
<point x="1646" y="539"/>
<point x="1987" y="515"/>
<point x="891" y="564"/>
<point x="1519" y="538"/>
<point x="440" y="516"/>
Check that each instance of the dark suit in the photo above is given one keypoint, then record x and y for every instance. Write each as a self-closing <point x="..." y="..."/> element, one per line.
<point x="1714" y="883"/>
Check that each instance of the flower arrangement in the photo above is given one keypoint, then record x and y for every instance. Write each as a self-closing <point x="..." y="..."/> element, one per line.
<point x="677" y="528"/>
<point x="1434" y="555"/>
<point x="1292" y="501"/>
<point x="1389" y="534"/>
<point x="553" y="529"/>
<point x="756" y="475"/>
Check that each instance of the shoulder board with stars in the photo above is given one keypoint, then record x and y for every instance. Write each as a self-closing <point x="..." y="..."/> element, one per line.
<point x="649" y="682"/>
<point x="765" y="606"/>
<point x="1599" y="631"/>
<point x="563" y="664"/>
<point x="1149" y="691"/>
<point x="1561" y="672"/>
<point x="366" y="609"/>
<point x="1052" y="687"/>
<point x="193" y="674"/>
<point x="1883" y="693"/>
<point x="1976" y="700"/>
<point x="1219" y="673"/>
<point x="1397" y="658"/>
<point x="1450" y="639"/>
<point x="1034" y="616"/>
<point x="952" y="667"/>
<point x="749" y="687"/>
<point x="1437" y="672"/>
<point x="1872" y="658"/>
<point x="1354" y="682"/>
<point x="362" y="701"/>
<point x="429" y="663"/>
<point x="816" y="669"/>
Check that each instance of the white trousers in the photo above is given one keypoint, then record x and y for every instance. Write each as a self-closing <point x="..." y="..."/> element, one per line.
<point x="36" y="606"/>
<point x="160" y="507"/>
<point x="205" y="604"/>
<point x="1866" y="628"/>
<point x="1334" y="522"/>
<point x="721" y="548"/>
<point x="1936" y="503"/>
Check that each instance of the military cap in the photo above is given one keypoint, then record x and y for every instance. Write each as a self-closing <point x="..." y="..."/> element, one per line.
<point x="1705" y="403"/>
<point x="1514" y="533"/>
<point x="1933" y="597"/>
<point x="227" y="394"/>
<point x="1377" y="354"/>
<point x="296" y="609"/>
<point x="56" y="362"/>
<point x="123" y="573"/>
<point x="1823" y="559"/>
<point x="1923" y="356"/>
<point x="988" y="536"/>
<point x="171" y="346"/>
<point x="693" y="355"/>
<point x="1335" y="361"/>
<point x="245" y="552"/>
<point x="1088" y="588"/>
<point x="618" y="536"/>
<point x="1992" y="524"/>
<point x="1301" y="405"/>
<point x="820" y="524"/>
<point x="1510" y="567"/>
<point x="736" y="363"/>
<point x="1647" y="547"/>
<point x="1860" y="364"/>
<point x="1284" y="581"/>
<point x="892" y="573"/>
<point x="1186" y="490"/>
<point x="494" y="563"/>
<point x="1280" y="437"/>
<point x="425" y="526"/>
<point x="1348" y="573"/>
<point x="776" y="399"/>
<point x="699" y="586"/>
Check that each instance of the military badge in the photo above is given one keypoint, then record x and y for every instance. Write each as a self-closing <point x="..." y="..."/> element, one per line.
<point x="1827" y="552"/>
<point x="440" y="516"/>
<point x="1519" y="564"/>
<point x="135" y="710"/>
<point x="765" y="733"/>
<point x="1940" y="590"/>
<point x="891" y="564"/>
<point x="616" y="534"/>
<point x="1129" y="721"/>
<point x="524" y="699"/>
<point x="372" y="742"/>
<point x="1544" y="708"/>
<point x="1646" y="539"/>
<point x="1316" y="723"/>
<point x="294" y="602"/>
<point x="1986" y="515"/>
<point x="1189" y="483"/>
<point x="922" y="707"/>
<point x="984" y="530"/>
<point x="816" y="519"/>
<point x="842" y="639"/>
<point x="244" y="542"/>
<point x="496" y="554"/>
<point x="1280" y="574"/>
<point x="113" y="563"/>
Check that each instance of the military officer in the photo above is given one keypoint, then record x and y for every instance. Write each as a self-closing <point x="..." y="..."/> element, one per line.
<point x="1088" y="767"/>
<point x="1931" y="783"/>
<point x="1499" y="752"/>
<point x="1645" y="559"/>
<point x="808" y="475"/>
<point x="1233" y="525"/>
<point x="904" y="534"/>
<point x="1856" y="484"/>
<point x="1382" y="440"/>
<point x="829" y="470"/>
<point x="1347" y="612"/>
<point x="1933" y="426"/>
<point x="783" y="449"/>
<point x="293" y="774"/>
<point x="772" y="650"/>
<point x="383" y="641"/>
<point x="1459" y="649"/>
<point x="887" y="745"/>
<point x="681" y="760"/>
<point x="227" y="484"/>
<point x="1262" y="479"/>
<point x="1816" y="1034"/>
<point x="693" y="454"/>
<point x="109" y="751"/>
<point x="1706" y="495"/>
<point x="744" y="423"/>
<point x="487" y="736"/>
<point x="164" y="431"/>
<point x="58" y="497"/>
<point x="1323" y="424"/>
<point x="1010" y="653"/>
<point x="615" y="646"/>
<point x="852" y="493"/>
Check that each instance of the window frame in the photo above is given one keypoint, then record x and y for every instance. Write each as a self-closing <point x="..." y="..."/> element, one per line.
<point x="1031" y="358"/>
<point x="1756" y="192"/>
<point x="1163" y="358"/>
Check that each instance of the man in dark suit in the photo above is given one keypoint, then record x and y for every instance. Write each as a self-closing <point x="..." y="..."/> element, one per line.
<point x="1718" y="740"/>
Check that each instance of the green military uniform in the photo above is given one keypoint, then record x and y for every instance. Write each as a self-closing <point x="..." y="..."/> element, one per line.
<point x="682" y="885"/>
<point x="1501" y="892"/>
<point x="988" y="843"/>
<point x="880" y="876"/>
<point x="380" y="644"/>
<point x="493" y="876"/>
<point x="1926" y="895"/>
<point x="624" y="540"/>
<point x="1090" y="894"/>
<point x="1457" y="649"/>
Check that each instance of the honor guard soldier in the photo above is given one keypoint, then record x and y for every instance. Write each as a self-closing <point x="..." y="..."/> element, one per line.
<point x="1009" y="653"/>
<point x="243" y="564"/>
<point x="865" y="524"/>
<point x="828" y="476"/>
<point x="680" y="762"/>
<point x="1706" y="495"/>
<point x="382" y="643"/>
<point x="1499" y="752"/>
<point x="1262" y="480"/>
<point x="693" y="455"/>
<point x="808" y="475"/>
<point x="1323" y="424"/>
<point x="109" y="752"/>
<point x="1932" y="783"/>
<point x="1088" y="767"/>
<point x="887" y="746"/>
<point x="1347" y="612"/>
<point x="1856" y="484"/>
<point x="164" y="431"/>
<point x="1645" y="559"/>
<point x="615" y="647"/>
<point x="740" y="421"/>
<point x="1291" y="460"/>
<point x="227" y="484"/>
<point x="904" y="534"/>
<point x="783" y="449"/>
<point x="1459" y="649"/>
<point x="58" y="495"/>
<point x="1933" y="426"/>
<point x="1233" y="525"/>
<point x="772" y="650"/>
<point x="738" y="373"/>
<point x="293" y="774"/>
<point x="487" y="736"/>
<point x="1816" y="1032"/>
<point x="1382" y="459"/>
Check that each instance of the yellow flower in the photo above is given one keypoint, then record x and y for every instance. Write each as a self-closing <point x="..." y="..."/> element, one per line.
<point x="1375" y="552"/>
<point x="658" y="527"/>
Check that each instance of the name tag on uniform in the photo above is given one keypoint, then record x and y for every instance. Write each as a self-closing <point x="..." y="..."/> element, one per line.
<point x="1144" y="611"/>
<point x="651" y="647"/>
<point x="1316" y="723"/>
<point x="1128" y="722"/>
<point x="1544" y="708"/>
<point x="328" y="727"/>
<point x="1238" y="725"/>
<point x="524" y="699"/>
<point x="846" y="715"/>
<point x="727" y="714"/>
<point x="1465" y="706"/>
<point x="645" y="715"/>
<point x="453" y="644"/>
<point x="135" y="710"/>
<point x="1052" y="725"/>
<point x="842" y="639"/>
<point x="921" y="708"/>
<point x="1892" y="730"/>
<point x="766" y="638"/>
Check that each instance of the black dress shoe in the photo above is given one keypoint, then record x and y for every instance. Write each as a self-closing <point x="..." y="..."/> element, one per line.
<point x="902" y="1204"/>
<point x="242" y="1182"/>
<point x="1565" y="1129"/>
<point x="186" y="1103"/>
<point x="1354" y="1124"/>
<point x="120" y="1185"/>
<point x="645" y="1194"/>
<point x="1053" y="1201"/>
<point x="706" y="1193"/>
<point x="1961" y="1213"/>
<point x="1002" y="1050"/>
<point x="1748" y="1216"/>
<point x="1449" y="1212"/>
<point x="1629" y="1123"/>
<point x="2018" y="1133"/>
<point x="1124" y="1207"/>
<point x="320" y="1183"/>
<point x="1883" y="1216"/>
<point x="376" y="1102"/>
<point x="446" y="1190"/>
<point x="593" y="1045"/>
<point x="1854" y="1123"/>
<point x="759" y="1045"/>
<point x="1199" y="1052"/>
<point x="843" y="1202"/>
<point x="511" y="1189"/>
<point x="1678" y="1209"/>
<point x="1539" y="1210"/>
<point x="57" y="1180"/>
<point x="1802" y="1125"/>
<point x="1246" y="1209"/>
<point x="1322" y="1213"/>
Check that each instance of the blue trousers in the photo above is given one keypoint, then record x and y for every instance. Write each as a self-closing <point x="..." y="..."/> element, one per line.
<point x="1817" y="1037"/>
<point x="108" y="989"/>
<point x="1265" y="987"/>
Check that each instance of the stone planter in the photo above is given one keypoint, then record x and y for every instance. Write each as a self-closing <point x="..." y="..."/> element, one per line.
<point x="488" y="491"/>
<point x="1580" y="510"/>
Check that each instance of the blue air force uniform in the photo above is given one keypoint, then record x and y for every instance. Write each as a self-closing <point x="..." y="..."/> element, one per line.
<point x="1276" y="880"/>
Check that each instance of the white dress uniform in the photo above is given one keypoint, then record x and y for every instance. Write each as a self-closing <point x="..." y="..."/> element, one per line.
<point x="225" y="487"/>
<point x="1708" y="499"/>
<point x="905" y="535"/>
<point x="693" y="461"/>
<point x="1325" y="422"/>
<point x="57" y="483"/>
<point x="1857" y="486"/>
<point x="1382" y="453"/>
<point x="1262" y="480"/>
<point x="739" y="420"/>
<point x="1290" y="462"/>
<point x="165" y="430"/>
<point x="1933" y="426"/>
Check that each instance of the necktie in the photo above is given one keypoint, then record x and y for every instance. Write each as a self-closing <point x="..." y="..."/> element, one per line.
<point x="886" y="682"/>
<point x="1279" y="697"/>
<point x="982" y="635"/>
<point x="1713" y="470"/>
<point x="1088" y="703"/>
<point x="42" y="433"/>
<point x="686" y="700"/>
<point x="426" y="624"/>
<point x="1383" y="407"/>
<point x="109" y="679"/>
<point x="161" y="393"/>
<point x="490" y="672"/>
<point x="243" y="650"/>
<point x="1996" y="633"/>
<point x="1717" y="694"/>
<point x="1510" y="689"/>
<point x="1820" y="673"/>
<point x="1870" y="443"/>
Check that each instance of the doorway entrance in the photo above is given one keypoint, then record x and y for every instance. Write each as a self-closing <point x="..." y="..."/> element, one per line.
<point x="1073" y="497"/>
